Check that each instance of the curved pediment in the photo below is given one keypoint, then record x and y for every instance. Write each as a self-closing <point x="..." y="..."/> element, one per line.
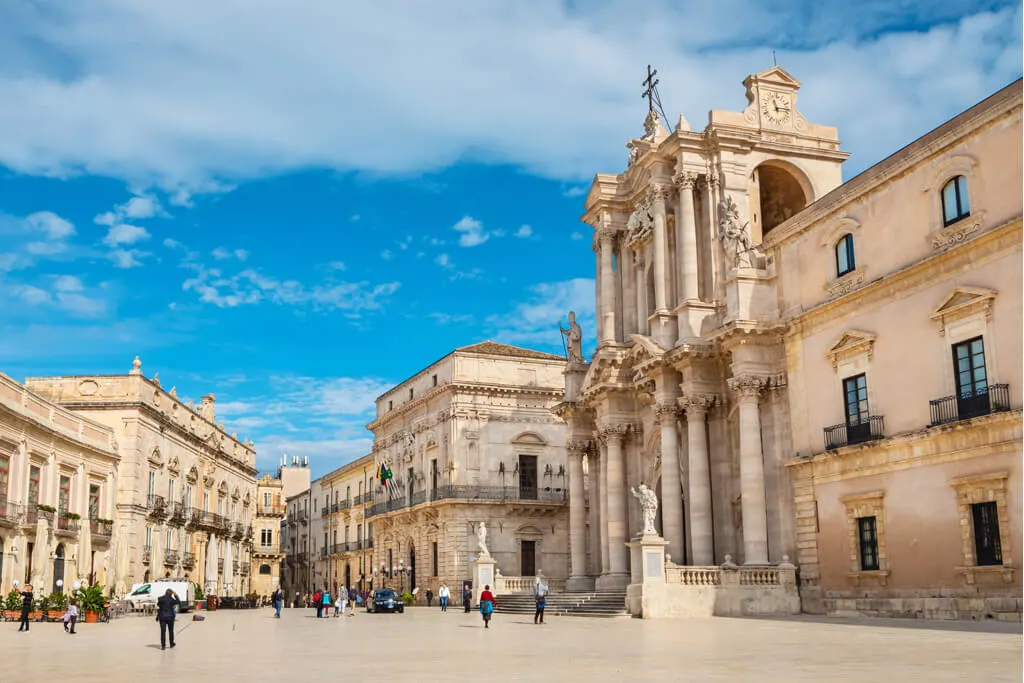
<point x="529" y="439"/>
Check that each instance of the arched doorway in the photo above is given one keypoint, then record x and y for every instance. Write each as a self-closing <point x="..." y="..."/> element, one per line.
<point x="412" y="566"/>
<point x="58" y="567"/>
<point x="348" y="575"/>
<point x="779" y="195"/>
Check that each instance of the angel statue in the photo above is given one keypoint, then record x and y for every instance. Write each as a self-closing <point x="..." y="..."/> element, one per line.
<point x="649" y="504"/>
<point x="481" y="538"/>
<point x="574" y="339"/>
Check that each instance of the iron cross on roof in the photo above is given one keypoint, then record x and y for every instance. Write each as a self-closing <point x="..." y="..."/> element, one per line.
<point x="650" y="82"/>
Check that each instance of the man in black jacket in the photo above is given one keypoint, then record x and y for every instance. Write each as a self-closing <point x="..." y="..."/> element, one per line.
<point x="165" y="612"/>
<point x="26" y="607"/>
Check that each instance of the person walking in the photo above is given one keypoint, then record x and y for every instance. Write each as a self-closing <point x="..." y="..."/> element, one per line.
<point x="327" y="603"/>
<point x="430" y="598"/>
<point x="26" y="607"/>
<point x="71" y="617"/>
<point x="276" y="600"/>
<point x="540" y="595"/>
<point x="487" y="605"/>
<point x="165" y="613"/>
<point x="443" y="594"/>
<point x="353" y="595"/>
<point x="467" y="597"/>
<point x="318" y="602"/>
<point x="341" y="604"/>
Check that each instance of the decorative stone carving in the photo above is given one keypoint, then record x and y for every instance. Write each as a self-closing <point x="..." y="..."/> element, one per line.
<point x="579" y="447"/>
<point x="136" y="367"/>
<point x="573" y="337"/>
<point x="649" y="505"/>
<point x="174" y="392"/>
<point x="845" y="284"/>
<point x="657" y="192"/>
<point x="156" y="378"/>
<point x="666" y="412"/>
<point x="651" y="126"/>
<point x="614" y="431"/>
<point x="696" y="402"/>
<point x="481" y="539"/>
<point x="851" y="343"/>
<point x="685" y="179"/>
<point x="747" y="386"/>
<point x="641" y="221"/>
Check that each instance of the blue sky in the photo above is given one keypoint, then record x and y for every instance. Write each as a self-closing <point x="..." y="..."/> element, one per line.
<point x="297" y="206"/>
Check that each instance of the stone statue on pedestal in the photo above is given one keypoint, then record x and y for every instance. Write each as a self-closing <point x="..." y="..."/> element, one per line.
<point x="734" y="236"/>
<point x="649" y="504"/>
<point x="573" y="339"/>
<point x="481" y="539"/>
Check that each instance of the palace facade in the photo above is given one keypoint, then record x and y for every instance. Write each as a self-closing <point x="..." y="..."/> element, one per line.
<point x="808" y="370"/>
<point x="185" y="488"/>
<point x="471" y="439"/>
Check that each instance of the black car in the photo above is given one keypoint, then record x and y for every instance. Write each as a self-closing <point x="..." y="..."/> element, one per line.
<point x="385" y="600"/>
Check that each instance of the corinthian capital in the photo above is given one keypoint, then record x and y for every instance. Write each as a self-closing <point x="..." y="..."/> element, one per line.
<point x="579" y="447"/>
<point x="684" y="179"/>
<point x="747" y="386"/>
<point x="696" y="403"/>
<point x="666" y="410"/>
<point x="607" y="235"/>
<point x="614" y="432"/>
<point x="657" y="192"/>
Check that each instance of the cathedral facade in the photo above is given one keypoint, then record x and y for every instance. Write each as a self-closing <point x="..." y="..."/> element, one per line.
<point x="762" y="344"/>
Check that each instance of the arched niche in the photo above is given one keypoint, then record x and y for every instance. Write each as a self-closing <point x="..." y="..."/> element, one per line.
<point x="778" y="191"/>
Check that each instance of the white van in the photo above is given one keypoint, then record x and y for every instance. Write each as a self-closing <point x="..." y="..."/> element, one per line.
<point x="147" y="593"/>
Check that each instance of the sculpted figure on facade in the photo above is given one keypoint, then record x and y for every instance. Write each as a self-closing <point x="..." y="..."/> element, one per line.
<point x="481" y="539"/>
<point x="649" y="505"/>
<point x="734" y="236"/>
<point x="573" y="340"/>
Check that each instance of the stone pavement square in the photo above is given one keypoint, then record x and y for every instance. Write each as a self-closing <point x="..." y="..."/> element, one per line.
<point x="426" y="645"/>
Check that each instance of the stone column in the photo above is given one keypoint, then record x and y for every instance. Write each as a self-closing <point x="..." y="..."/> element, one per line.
<point x="671" y="486"/>
<point x="607" y="292"/>
<point x="603" y="496"/>
<point x="755" y="521"/>
<point x="701" y="528"/>
<point x="595" y="244"/>
<point x="661" y="261"/>
<point x="639" y="290"/>
<point x="578" y="579"/>
<point x="617" y="576"/>
<point x="686" y="234"/>
<point x="594" y="496"/>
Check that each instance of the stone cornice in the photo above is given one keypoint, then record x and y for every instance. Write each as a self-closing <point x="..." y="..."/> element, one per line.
<point x="969" y="123"/>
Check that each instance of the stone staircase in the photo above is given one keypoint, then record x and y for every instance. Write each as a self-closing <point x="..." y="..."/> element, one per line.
<point x="599" y="604"/>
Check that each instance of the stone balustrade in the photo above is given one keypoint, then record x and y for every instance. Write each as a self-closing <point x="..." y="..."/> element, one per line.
<point x="508" y="585"/>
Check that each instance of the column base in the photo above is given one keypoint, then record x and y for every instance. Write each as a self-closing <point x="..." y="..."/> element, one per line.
<point x="693" y="315"/>
<point x="664" y="329"/>
<point x="579" y="584"/>
<point x="612" y="582"/>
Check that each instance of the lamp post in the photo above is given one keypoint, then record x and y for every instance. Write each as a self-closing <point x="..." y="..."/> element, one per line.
<point x="401" y="573"/>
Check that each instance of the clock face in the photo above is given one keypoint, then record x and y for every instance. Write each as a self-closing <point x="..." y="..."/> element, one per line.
<point x="776" y="107"/>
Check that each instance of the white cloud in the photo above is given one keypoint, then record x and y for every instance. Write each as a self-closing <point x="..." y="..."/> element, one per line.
<point x="181" y="107"/>
<point x="471" y="230"/>
<point x="337" y="265"/>
<point x="524" y="231"/>
<point x="135" y="208"/>
<point x="45" y="248"/>
<point x="241" y="254"/>
<point x="387" y="255"/>
<point x="576" y="235"/>
<point x="444" y="261"/>
<point x="536" y="320"/>
<point x="50" y="224"/>
<point x="127" y="258"/>
<point x="68" y="283"/>
<point x="250" y="286"/>
<point x="173" y="244"/>
<point x="576" y="191"/>
<point x="125" y="234"/>
<point x="220" y="253"/>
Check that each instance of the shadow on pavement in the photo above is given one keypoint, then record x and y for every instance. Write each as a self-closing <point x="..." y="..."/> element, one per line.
<point x="987" y="626"/>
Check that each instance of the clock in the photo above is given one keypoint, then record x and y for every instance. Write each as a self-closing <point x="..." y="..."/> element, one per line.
<point x="776" y="107"/>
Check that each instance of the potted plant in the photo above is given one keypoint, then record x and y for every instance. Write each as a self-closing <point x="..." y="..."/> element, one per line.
<point x="73" y="515"/>
<point x="46" y="508"/>
<point x="407" y="598"/>
<point x="40" y="603"/>
<point x="12" y="605"/>
<point x="91" y="602"/>
<point x="200" y="596"/>
<point x="58" y="605"/>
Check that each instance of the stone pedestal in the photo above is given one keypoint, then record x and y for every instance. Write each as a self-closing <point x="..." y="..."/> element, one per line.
<point x="645" y="594"/>
<point x="694" y="317"/>
<point x="750" y="295"/>
<point x="484" y="574"/>
<point x="574" y="374"/>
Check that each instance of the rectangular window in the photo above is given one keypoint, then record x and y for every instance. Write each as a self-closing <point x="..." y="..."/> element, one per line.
<point x="33" y="485"/>
<point x="5" y="474"/>
<point x="987" y="547"/>
<point x="266" y="499"/>
<point x="94" y="501"/>
<point x="170" y="490"/>
<point x="868" y="538"/>
<point x="433" y="479"/>
<point x="391" y="405"/>
<point x="152" y="483"/>
<point x="434" y="551"/>
<point x="412" y="392"/>
<point x="169" y="540"/>
<point x="149" y="537"/>
<point x="434" y="379"/>
<point x="266" y="538"/>
<point x="64" y="500"/>
<point x="206" y="501"/>
<point x="528" y="477"/>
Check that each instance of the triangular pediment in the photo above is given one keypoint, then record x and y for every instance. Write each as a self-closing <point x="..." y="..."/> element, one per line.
<point x="962" y="297"/>
<point x="645" y="348"/>
<point x="776" y="75"/>
<point x="851" y="343"/>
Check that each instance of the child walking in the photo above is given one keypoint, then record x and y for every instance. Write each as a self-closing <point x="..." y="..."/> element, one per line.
<point x="71" y="617"/>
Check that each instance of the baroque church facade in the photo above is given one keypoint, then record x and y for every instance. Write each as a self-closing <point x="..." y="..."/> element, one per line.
<point x="745" y="295"/>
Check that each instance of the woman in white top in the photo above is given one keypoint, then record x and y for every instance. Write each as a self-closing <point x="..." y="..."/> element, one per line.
<point x="342" y="601"/>
<point x="443" y="594"/>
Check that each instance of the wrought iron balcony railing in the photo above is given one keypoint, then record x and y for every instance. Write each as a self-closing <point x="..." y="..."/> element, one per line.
<point x="67" y="523"/>
<point x="157" y="505"/>
<point x="484" y="493"/>
<point x="100" y="529"/>
<point x="845" y="434"/>
<point x="147" y="552"/>
<point x="10" y="513"/>
<point x="971" y="403"/>
<point x="170" y="557"/>
<point x="188" y="560"/>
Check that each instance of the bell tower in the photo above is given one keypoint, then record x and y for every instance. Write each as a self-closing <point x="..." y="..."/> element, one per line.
<point x="771" y="100"/>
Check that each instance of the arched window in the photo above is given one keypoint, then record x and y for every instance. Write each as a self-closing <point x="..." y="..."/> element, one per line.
<point x="844" y="255"/>
<point x="264" y="569"/>
<point x="955" y="203"/>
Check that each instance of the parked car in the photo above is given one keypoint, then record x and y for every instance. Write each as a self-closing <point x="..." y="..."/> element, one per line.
<point x="385" y="600"/>
<point x="148" y="593"/>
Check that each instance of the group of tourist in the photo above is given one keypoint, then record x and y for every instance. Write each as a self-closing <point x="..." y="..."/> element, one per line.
<point x="70" y="617"/>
